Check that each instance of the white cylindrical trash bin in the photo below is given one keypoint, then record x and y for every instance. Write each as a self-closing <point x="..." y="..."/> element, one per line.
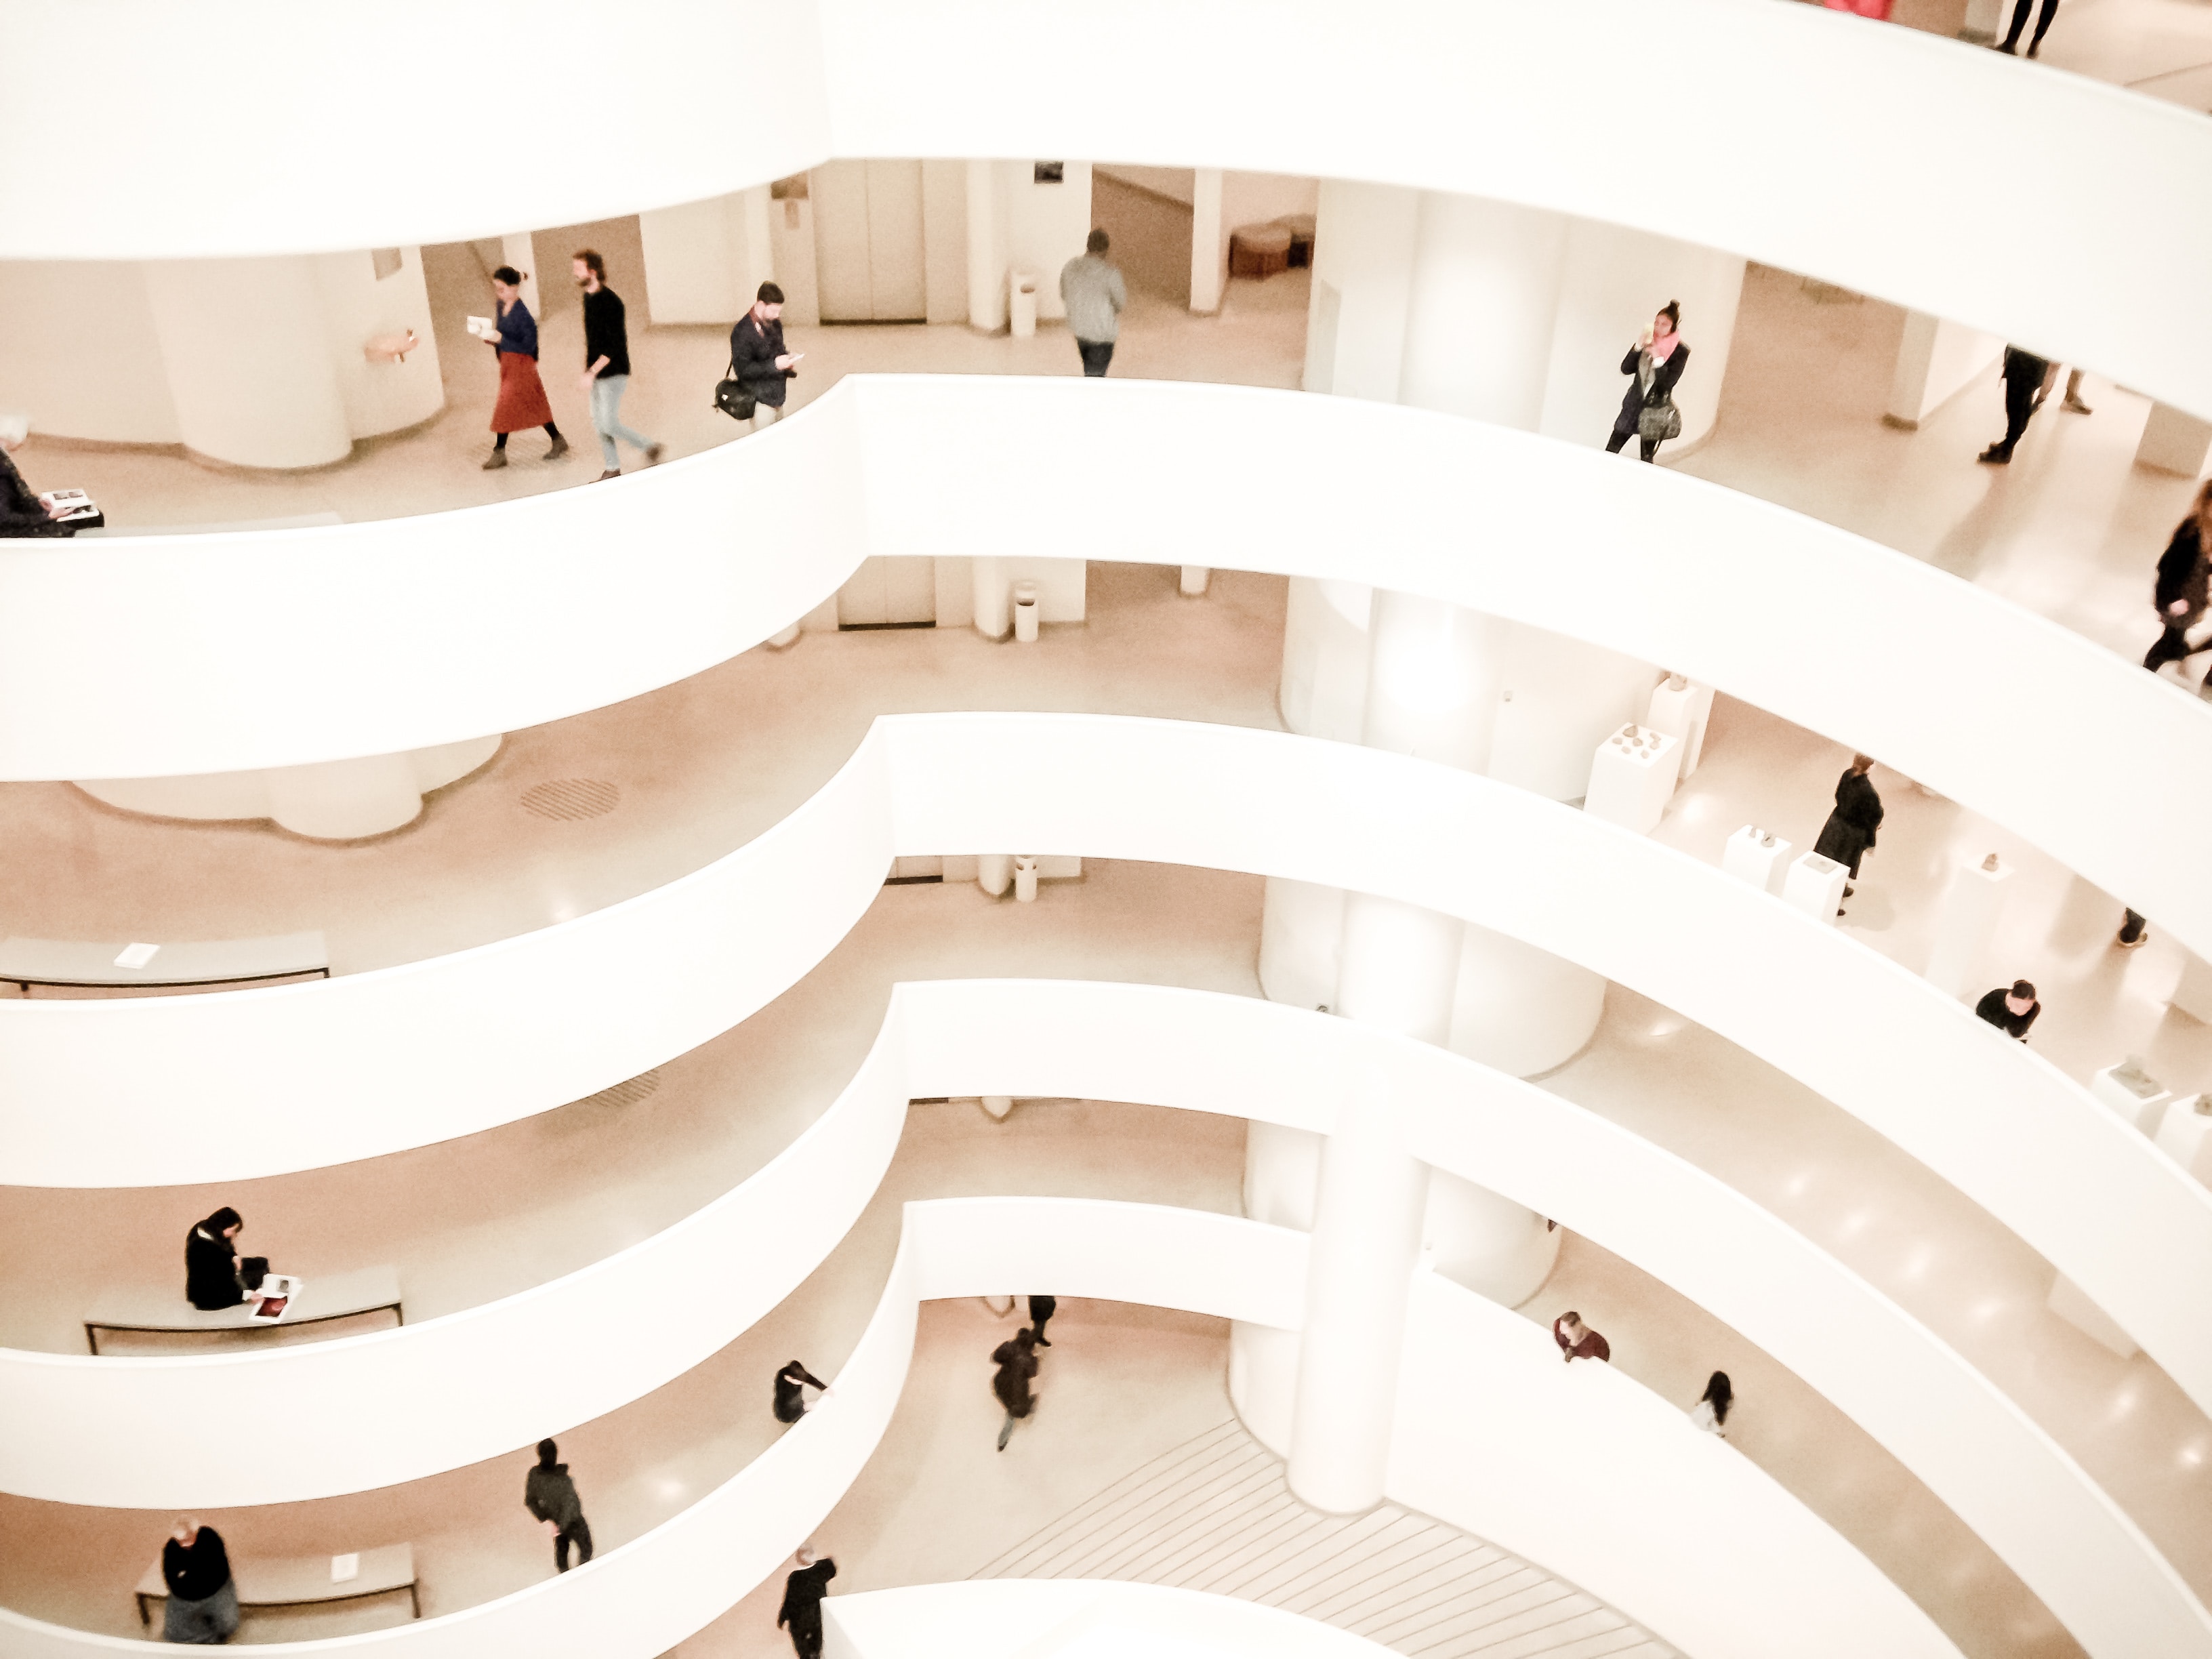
<point x="1025" y="877"/>
<point x="1025" y="612"/>
<point x="994" y="872"/>
<point x="1022" y="303"/>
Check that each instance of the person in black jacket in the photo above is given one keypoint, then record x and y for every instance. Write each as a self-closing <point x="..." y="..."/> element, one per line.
<point x="212" y="1263"/>
<point x="202" y="1610"/>
<point x="1848" y="832"/>
<point x="2184" y="588"/>
<point x="550" y="1494"/>
<point x="758" y="362"/>
<point x="2024" y="375"/>
<point x="22" y="511"/>
<point x="606" y="363"/>
<point x="801" y="1613"/>
<point x="2012" y="1011"/>
<point x="1657" y="360"/>
<point x="1017" y="1362"/>
<point x="790" y="1401"/>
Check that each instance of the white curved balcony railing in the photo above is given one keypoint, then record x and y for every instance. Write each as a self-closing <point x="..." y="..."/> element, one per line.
<point x="409" y="1056"/>
<point x="1770" y="149"/>
<point x="408" y="633"/>
<point x="1692" y="1541"/>
<point x="700" y="1284"/>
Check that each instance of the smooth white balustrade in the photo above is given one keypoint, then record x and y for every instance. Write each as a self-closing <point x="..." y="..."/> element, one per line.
<point x="561" y="603"/>
<point x="1771" y="152"/>
<point x="1723" y="1556"/>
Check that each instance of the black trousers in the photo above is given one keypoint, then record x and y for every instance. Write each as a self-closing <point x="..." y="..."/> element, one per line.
<point x="2020" y="21"/>
<point x="1096" y="354"/>
<point x="2174" y="645"/>
<point x="1623" y="430"/>
<point x="2019" y="409"/>
<point x="579" y="1534"/>
<point x="807" y="1636"/>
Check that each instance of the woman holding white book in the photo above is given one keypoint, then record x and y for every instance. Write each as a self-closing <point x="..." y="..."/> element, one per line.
<point x="522" y="402"/>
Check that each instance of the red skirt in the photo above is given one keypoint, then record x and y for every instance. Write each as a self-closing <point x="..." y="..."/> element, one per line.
<point x="522" y="402"/>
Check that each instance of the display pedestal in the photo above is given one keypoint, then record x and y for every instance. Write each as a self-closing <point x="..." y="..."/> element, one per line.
<point x="1632" y="777"/>
<point x="2184" y="1133"/>
<point x="1191" y="580"/>
<point x="1754" y="855"/>
<point x="2071" y="1303"/>
<point x="1816" y="885"/>
<point x="1682" y="712"/>
<point x="2141" y="1099"/>
<point x="1963" y="927"/>
<point x="2193" y="995"/>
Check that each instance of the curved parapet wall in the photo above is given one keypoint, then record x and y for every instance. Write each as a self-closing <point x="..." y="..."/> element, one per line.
<point x="408" y="632"/>
<point x="508" y="1369"/>
<point x="448" y="1046"/>
<point x="1770" y="150"/>
<point x="1693" y="1541"/>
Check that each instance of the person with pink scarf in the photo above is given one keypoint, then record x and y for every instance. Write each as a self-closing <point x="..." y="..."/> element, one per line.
<point x="1657" y="360"/>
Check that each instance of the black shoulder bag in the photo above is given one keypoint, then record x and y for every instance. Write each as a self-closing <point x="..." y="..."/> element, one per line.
<point x="731" y="398"/>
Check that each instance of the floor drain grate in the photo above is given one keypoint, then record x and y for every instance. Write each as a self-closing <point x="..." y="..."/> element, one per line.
<point x="570" y="798"/>
<point x="628" y="1092"/>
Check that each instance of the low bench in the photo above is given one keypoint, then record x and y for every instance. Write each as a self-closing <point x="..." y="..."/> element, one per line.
<point x="28" y="962"/>
<point x="301" y="1583"/>
<point x="326" y="1296"/>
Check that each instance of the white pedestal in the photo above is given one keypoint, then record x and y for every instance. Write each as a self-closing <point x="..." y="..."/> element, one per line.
<point x="2141" y="1099"/>
<point x="1192" y="581"/>
<point x="2071" y="1303"/>
<point x="1814" y="885"/>
<point x="2184" y="1133"/>
<point x="1632" y="777"/>
<point x="1683" y="715"/>
<point x="2175" y="442"/>
<point x="1963" y="927"/>
<point x="1757" y="856"/>
<point x="2193" y="995"/>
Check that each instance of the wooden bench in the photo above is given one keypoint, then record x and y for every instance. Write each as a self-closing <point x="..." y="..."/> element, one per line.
<point x="302" y="1583"/>
<point x="28" y="962"/>
<point x="329" y="1296"/>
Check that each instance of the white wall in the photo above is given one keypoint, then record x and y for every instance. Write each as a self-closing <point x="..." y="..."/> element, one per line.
<point x="704" y="261"/>
<point x="1176" y="184"/>
<point x="1003" y="1618"/>
<point x="358" y="307"/>
<point x="1935" y="361"/>
<point x="1045" y="225"/>
<point x="79" y="353"/>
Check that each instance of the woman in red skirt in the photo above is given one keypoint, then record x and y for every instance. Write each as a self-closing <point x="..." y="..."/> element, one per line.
<point x="522" y="402"/>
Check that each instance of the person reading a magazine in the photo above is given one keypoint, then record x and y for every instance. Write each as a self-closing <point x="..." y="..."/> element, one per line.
<point x="22" y="511"/>
<point x="217" y="1276"/>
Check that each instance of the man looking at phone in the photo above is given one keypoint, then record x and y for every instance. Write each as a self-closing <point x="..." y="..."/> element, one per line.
<point x="758" y="362"/>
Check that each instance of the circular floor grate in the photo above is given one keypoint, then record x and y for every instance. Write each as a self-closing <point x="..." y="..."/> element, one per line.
<point x="570" y="798"/>
<point x="628" y="1092"/>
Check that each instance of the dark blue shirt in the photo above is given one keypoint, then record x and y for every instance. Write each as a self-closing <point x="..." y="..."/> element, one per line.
<point x="518" y="331"/>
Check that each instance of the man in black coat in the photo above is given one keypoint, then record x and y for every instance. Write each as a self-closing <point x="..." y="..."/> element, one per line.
<point x="1017" y="1362"/>
<point x="801" y="1613"/>
<point x="2011" y="1009"/>
<point x="758" y="362"/>
<point x="1848" y="832"/>
<point x="2024" y="375"/>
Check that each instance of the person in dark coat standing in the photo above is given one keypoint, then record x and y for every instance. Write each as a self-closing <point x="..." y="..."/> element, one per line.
<point x="2182" y="590"/>
<point x="1017" y="1361"/>
<point x="790" y="1399"/>
<point x="550" y="1494"/>
<point x="212" y="1261"/>
<point x="522" y="402"/>
<point x="22" y="511"/>
<point x="2024" y="375"/>
<point x="758" y="362"/>
<point x="801" y="1613"/>
<point x="1848" y="833"/>
<point x="2011" y="1011"/>
<point x="1657" y="360"/>
<point x="202" y="1610"/>
<point x="1042" y="1309"/>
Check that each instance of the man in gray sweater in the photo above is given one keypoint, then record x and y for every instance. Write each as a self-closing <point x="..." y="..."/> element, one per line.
<point x="1092" y="292"/>
<point x="551" y="1495"/>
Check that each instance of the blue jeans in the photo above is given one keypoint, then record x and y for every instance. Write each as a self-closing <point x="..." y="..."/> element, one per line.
<point x="606" y="419"/>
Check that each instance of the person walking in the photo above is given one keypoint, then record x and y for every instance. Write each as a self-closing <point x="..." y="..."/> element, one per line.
<point x="1847" y="835"/>
<point x="202" y="1610"/>
<point x="791" y="1382"/>
<point x="1017" y="1361"/>
<point x="801" y="1613"/>
<point x="1647" y="408"/>
<point x="22" y="511"/>
<point x="2011" y="1011"/>
<point x="758" y="362"/>
<point x="2135" y="931"/>
<point x="2011" y="42"/>
<point x="606" y="363"/>
<point x="522" y="402"/>
<point x="550" y="1494"/>
<point x="2024" y="374"/>
<point x="2183" y="588"/>
<point x="1577" y="1340"/>
<point x="1710" y="1413"/>
<point x="1042" y="1309"/>
<point x="1095" y="296"/>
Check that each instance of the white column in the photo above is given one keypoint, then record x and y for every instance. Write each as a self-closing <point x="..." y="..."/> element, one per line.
<point x="1363" y="263"/>
<point x="986" y="248"/>
<point x="1300" y="927"/>
<point x="1209" y="243"/>
<point x="245" y="346"/>
<point x="380" y="393"/>
<point x="1519" y="1009"/>
<point x="329" y="800"/>
<point x="994" y="603"/>
<point x="1435" y="674"/>
<point x="1323" y="692"/>
<point x="1484" y="291"/>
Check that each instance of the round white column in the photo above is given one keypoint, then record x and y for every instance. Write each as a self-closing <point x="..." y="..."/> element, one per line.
<point x="1519" y="1009"/>
<point x="1490" y="1244"/>
<point x="330" y="800"/>
<point x="1300" y="927"/>
<point x="1434" y="676"/>
<point x="249" y="366"/>
<point x="1478" y="310"/>
<point x="1282" y="1173"/>
<point x="1323" y="692"/>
